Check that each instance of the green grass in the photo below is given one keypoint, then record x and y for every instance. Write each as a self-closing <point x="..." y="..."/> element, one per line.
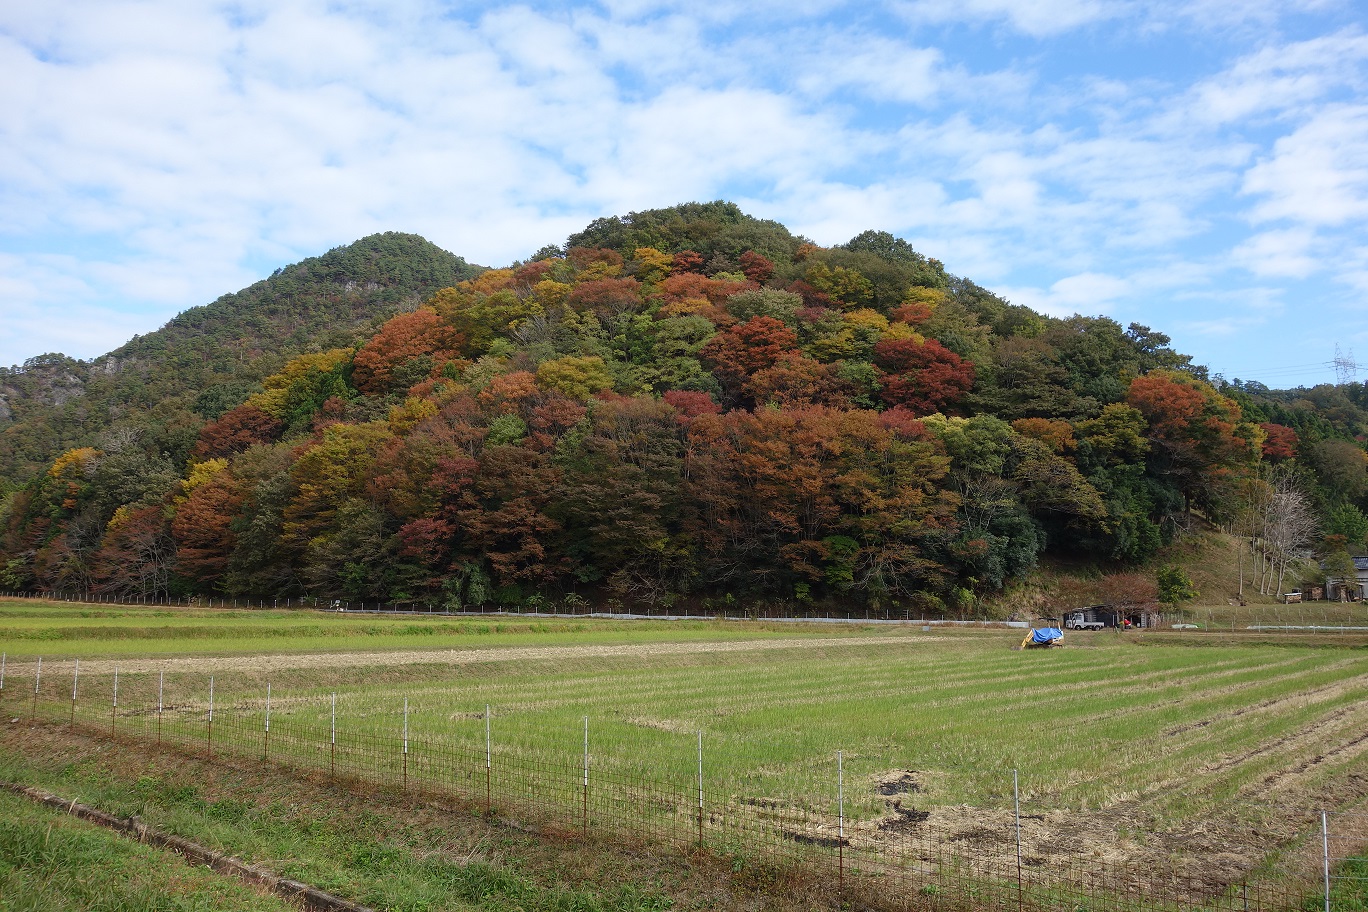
<point x="1164" y="732"/>
<point x="1107" y="721"/>
<point x="372" y="858"/>
<point x="50" y="861"/>
<point x="29" y="628"/>
<point x="1348" y="888"/>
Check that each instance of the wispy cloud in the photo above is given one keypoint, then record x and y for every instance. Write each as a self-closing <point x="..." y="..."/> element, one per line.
<point x="154" y="155"/>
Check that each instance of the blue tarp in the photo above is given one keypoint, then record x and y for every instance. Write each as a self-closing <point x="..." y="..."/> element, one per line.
<point x="1046" y="635"/>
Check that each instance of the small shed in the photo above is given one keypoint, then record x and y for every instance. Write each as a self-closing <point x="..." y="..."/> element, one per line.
<point x="1350" y="590"/>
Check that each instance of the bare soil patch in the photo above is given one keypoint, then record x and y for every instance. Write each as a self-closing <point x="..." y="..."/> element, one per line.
<point x="277" y="662"/>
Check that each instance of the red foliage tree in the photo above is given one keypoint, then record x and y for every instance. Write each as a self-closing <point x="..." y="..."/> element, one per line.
<point x="913" y="314"/>
<point x="1194" y="431"/>
<point x="924" y="377"/>
<point x="557" y="414"/>
<point x="756" y="267"/>
<point x="511" y="393"/>
<point x="742" y="350"/>
<point x="584" y="257"/>
<point x="1055" y="433"/>
<point x="203" y="529"/>
<point x="1280" y="444"/>
<point x="606" y="297"/>
<point x="137" y="555"/>
<point x="530" y="274"/>
<point x="689" y="405"/>
<point x="426" y="539"/>
<point x="236" y="430"/>
<point x="692" y="286"/>
<point x="815" y="494"/>
<point x="811" y="296"/>
<point x="798" y="380"/>
<point x="507" y="524"/>
<point x="399" y="341"/>
<point x="687" y="261"/>
<point x="902" y="423"/>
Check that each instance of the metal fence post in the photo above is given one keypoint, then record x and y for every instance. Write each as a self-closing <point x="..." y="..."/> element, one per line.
<point x="585" y="808"/>
<point x="266" y="737"/>
<point x="406" y="744"/>
<point x="75" y="676"/>
<point x="1325" y="856"/>
<point x="161" y="683"/>
<point x="114" y="707"/>
<point x="332" y="738"/>
<point x="840" y="823"/>
<point x="1016" y="810"/>
<point x="700" y="788"/>
<point x="37" y="678"/>
<point x="211" y="716"/>
<point x="489" y="765"/>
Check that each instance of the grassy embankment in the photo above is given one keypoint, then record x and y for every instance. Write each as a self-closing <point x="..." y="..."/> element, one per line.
<point x="388" y="857"/>
<point x="50" y="862"/>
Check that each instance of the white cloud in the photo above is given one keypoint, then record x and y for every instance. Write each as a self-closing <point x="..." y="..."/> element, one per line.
<point x="1286" y="253"/>
<point x="1088" y="293"/>
<point x="182" y="141"/>
<point x="1283" y="78"/>
<point x="1038" y="18"/>
<point x="1318" y="174"/>
<point x="51" y="307"/>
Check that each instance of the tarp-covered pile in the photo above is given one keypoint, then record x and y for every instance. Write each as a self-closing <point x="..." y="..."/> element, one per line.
<point x="1043" y="636"/>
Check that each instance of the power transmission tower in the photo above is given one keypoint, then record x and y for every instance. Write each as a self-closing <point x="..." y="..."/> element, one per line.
<point x="1346" y="369"/>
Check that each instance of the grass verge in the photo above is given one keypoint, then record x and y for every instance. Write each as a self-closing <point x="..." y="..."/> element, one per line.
<point x="52" y="862"/>
<point x="378" y="849"/>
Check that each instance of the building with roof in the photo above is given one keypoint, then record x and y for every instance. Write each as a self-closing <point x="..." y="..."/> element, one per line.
<point x="1357" y="589"/>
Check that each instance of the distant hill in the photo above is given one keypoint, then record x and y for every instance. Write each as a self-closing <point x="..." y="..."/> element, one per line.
<point x="681" y="403"/>
<point x="166" y="384"/>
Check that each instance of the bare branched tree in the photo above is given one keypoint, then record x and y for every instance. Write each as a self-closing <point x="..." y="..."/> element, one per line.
<point x="1285" y="526"/>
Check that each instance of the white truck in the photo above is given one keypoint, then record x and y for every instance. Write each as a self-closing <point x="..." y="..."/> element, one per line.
<point x="1079" y="620"/>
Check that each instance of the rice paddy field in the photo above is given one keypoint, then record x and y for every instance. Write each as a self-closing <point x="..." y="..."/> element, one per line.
<point x="1218" y="747"/>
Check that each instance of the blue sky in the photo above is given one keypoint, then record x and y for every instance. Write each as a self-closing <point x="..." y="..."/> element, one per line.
<point x="1199" y="166"/>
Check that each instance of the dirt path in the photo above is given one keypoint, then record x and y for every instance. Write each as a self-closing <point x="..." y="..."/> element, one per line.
<point x="294" y="662"/>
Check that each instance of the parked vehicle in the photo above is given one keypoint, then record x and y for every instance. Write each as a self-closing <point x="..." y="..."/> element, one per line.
<point x="1079" y="620"/>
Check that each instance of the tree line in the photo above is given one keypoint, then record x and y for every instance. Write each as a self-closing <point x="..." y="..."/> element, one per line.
<point x="693" y="403"/>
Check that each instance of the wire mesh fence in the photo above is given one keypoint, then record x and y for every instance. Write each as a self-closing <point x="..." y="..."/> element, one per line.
<point x="1321" y="617"/>
<point x="1344" y="836"/>
<point x="894" y="864"/>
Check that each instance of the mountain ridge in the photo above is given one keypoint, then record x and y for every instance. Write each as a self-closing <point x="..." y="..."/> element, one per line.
<point x="684" y="402"/>
<point x="224" y="347"/>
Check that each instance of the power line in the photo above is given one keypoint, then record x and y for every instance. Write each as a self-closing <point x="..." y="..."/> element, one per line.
<point x="1291" y="370"/>
<point x="1346" y="371"/>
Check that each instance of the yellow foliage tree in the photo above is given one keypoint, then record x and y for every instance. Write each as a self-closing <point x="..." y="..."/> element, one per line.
<point x="576" y="377"/>
<point x="72" y="463"/>
<point x="296" y="381"/>
<point x="402" y="418"/>
<point x="652" y="265"/>
<point x="550" y="292"/>
<point x="201" y="473"/>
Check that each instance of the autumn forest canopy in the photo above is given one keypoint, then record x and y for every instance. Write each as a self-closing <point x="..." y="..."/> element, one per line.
<point x="682" y="403"/>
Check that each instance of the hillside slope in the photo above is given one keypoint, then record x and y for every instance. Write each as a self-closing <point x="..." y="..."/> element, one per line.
<point x="164" y="385"/>
<point x="685" y="403"/>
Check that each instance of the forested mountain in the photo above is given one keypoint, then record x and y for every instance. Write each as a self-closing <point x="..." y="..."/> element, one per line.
<point x="164" y="385"/>
<point x="685" y="402"/>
